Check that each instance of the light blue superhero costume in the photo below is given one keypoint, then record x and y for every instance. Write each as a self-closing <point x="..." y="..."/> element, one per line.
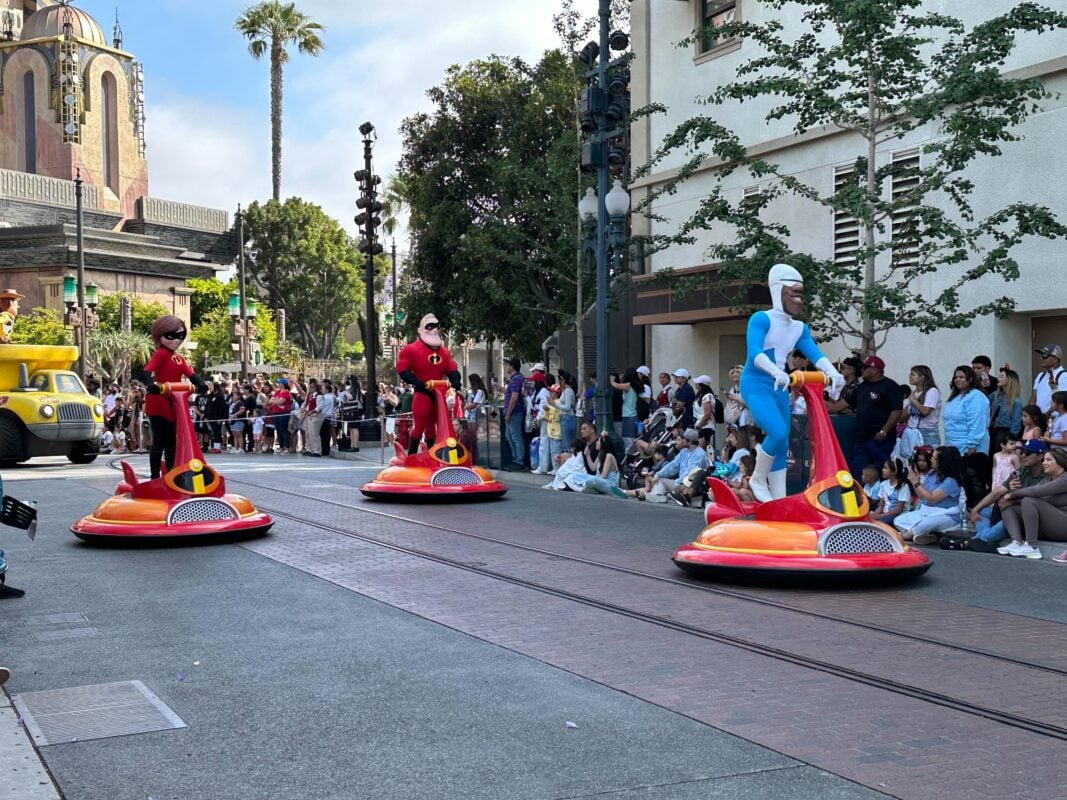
<point x="775" y="334"/>
<point x="772" y="336"/>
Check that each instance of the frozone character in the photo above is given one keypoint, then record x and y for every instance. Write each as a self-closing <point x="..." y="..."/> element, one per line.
<point x="165" y="366"/>
<point x="772" y="336"/>
<point x="426" y="359"/>
<point x="9" y="309"/>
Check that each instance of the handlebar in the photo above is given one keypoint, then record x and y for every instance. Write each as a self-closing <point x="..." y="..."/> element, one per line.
<point x="174" y="386"/>
<point x="438" y="384"/>
<point x="798" y="379"/>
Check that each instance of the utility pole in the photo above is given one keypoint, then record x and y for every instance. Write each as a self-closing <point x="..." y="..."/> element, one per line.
<point x="368" y="219"/>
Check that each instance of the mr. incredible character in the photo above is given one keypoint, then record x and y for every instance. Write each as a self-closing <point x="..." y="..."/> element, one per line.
<point x="166" y="365"/>
<point x="9" y="309"/>
<point x="426" y="359"/>
<point x="772" y="336"/>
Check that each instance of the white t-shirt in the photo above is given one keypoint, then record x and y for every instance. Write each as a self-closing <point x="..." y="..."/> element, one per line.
<point x="891" y="495"/>
<point x="109" y="402"/>
<point x="1043" y="387"/>
<point x="1057" y="428"/>
<point x="932" y="399"/>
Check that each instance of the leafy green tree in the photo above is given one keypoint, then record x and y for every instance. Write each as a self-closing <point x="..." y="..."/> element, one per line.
<point x="41" y="326"/>
<point x="271" y="26"/>
<point x="878" y="71"/>
<point x="214" y="337"/>
<point x="303" y="262"/>
<point x="490" y="174"/>
<point x="142" y="312"/>
<point x="208" y="294"/>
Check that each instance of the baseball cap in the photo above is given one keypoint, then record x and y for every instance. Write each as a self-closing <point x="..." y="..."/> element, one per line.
<point x="704" y="379"/>
<point x="644" y="370"/>
<point x="1050" y="350"/>
<point x="874" y="361"/>
<point x="691" y="435"/>
<point x="681" y="373"/>
<point x="1035" y="446"/>
<point x="538" y="367"/>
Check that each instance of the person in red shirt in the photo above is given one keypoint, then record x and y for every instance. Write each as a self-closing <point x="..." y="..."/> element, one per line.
<point x="426" y="359"/>
<point x="165" y="366"/>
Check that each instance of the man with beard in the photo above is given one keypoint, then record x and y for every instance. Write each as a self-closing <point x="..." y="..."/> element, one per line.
<point x="426" y="359"/>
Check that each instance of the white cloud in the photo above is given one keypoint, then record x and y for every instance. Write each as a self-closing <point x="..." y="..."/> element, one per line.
<point x="380" y="60"/>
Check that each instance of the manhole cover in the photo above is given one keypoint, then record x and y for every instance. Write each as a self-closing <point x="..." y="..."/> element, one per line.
<point x="58" y="716"/>
<point x="55" y="627"/>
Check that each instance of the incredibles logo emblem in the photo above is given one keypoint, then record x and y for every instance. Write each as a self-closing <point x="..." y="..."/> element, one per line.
<point x="435" y="358"/>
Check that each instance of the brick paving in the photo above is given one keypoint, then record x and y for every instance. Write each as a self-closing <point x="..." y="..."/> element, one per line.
<point x="896" y="744"/>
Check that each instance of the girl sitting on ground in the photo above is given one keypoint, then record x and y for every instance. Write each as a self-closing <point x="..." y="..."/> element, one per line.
<point x="1034" y="423"/>
<point x="895" y="493"/>
<point x="940" y="499"/>
<point x="1006" y="461"/>
<point x="605" y="469"/>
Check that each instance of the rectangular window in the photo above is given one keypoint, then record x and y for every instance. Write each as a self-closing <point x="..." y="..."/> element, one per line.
<point x="715" y="14"/>
<point x="905" y="229"/>
<point x="846" y="228"/>
<point x="30" y="112"/>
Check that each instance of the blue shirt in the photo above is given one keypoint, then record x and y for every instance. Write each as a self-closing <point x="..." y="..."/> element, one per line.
<point x="948" y="486"/>
<point x="684" y="463"/>
<point x="685" y="395"/>
<point x="966" y="419"/>
<point x="515" y="384"/>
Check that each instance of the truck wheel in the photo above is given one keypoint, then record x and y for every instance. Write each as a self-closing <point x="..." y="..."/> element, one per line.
<point x="11" y="445"/>
<point x="81" y="454"/>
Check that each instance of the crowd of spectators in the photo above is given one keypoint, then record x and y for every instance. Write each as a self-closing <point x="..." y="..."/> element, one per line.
<point x="981" y="453"/>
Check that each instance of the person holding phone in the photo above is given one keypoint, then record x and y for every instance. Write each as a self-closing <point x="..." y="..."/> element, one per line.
<point x="986" y="513"/>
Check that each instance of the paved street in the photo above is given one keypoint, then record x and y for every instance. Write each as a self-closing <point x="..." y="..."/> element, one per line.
<point x="542" y="646"/>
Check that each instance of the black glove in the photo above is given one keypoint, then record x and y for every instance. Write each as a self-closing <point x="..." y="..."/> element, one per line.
<point x="153" y="388"/>
<point x="199" y="383"/>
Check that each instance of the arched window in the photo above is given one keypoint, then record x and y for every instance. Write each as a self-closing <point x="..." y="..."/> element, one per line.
<point x="109" y="117"/>
<point x="29" y="113"/>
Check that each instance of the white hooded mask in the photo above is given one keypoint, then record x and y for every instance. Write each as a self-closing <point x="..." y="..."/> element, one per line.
<point x="782" y="275"/>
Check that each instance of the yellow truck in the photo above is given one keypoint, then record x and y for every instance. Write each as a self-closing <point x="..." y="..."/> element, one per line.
<point x="44" y="407"/>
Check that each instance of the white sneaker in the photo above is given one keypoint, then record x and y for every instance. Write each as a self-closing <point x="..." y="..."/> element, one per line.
<point x="537" y="472"/>
<point x="1025" y="551"/>
<point x="1007" y="549"/>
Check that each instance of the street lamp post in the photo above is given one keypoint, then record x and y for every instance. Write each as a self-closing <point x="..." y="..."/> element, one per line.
<point x="617" y="205"/>
<point x="242" y="307"/>
<point x="83" y="345"/>
<point x="368" y="219"/>
<point x="80" y="299"/>
<point x="243" y="313"/>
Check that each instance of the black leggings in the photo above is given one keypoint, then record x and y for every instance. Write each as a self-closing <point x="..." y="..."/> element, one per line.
<point x="163" y="444"/>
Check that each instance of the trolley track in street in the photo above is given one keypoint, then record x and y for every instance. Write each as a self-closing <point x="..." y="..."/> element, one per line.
<point x="1045" y="729"/>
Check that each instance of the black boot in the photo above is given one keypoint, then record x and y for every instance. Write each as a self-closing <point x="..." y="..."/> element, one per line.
<point x="9" y="591"/>
<point x="413" y="447"/>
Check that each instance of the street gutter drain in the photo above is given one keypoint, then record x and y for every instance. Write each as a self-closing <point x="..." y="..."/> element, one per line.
<point x="60" y="716"/>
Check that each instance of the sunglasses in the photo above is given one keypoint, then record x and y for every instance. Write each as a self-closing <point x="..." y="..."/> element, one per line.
<point x="174" y="336"/>
<point x="432" y="326"/>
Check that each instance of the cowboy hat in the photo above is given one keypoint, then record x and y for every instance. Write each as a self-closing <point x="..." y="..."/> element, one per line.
<point x="11" y="294"/>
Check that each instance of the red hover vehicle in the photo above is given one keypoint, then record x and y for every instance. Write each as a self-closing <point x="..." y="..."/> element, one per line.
<point x="189" y="499"/>
<point x="444" y="472"/>
<point x="825" y="533"/>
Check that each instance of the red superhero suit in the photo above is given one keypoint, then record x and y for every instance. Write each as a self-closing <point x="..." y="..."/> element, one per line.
<point x="417" y="363"/>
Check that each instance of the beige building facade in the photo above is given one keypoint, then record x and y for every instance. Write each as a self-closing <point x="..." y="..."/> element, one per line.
<point x="700" y="331"/>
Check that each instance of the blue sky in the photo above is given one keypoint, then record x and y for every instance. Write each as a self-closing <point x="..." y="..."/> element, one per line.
<point x="208" y="127"/>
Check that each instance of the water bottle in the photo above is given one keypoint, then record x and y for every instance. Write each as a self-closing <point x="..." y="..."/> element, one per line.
<point x="535" y="447"/>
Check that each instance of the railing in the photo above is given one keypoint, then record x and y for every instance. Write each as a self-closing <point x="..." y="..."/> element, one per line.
<point x="184" y="215"/>
<point x="42" y="189"/>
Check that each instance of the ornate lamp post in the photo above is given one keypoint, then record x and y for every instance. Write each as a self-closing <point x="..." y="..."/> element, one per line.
<point x="81" y="299"/>
<point x="244" y="328"/>
<point x="617" y="204"/>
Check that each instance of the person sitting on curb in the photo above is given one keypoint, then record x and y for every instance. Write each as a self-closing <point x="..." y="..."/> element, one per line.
<point x="940" y="495"/>
<point x="986" y="514"/>
<point x="659" y="461"/>
<point x="690" y="465"/>
<point x="1037" y="511"/>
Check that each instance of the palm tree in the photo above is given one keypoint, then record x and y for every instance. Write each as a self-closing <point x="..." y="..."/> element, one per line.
<point x="274" y="25"/>
<point x="395" y="201"/>
<point x="114" y="352"/>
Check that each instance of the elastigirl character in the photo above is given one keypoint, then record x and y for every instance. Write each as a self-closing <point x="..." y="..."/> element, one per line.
<point x="165" y="366"/>
<point x="426" y="359"/>
<point x="772" y="336"/>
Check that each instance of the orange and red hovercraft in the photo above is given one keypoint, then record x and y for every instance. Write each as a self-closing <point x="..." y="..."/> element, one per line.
<point x="189" y="500"/>
<point x="824" y="534"/>
<point x="443" y="472"/>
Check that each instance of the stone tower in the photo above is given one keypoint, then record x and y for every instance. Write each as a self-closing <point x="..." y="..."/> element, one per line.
<point x="71" y="100"/>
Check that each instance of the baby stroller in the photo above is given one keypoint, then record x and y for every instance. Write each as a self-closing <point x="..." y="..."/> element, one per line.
<point x="657" y="431"/>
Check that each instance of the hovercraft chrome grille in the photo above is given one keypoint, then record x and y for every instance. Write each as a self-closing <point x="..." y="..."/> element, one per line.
<point x="75" y="412"/>
<point x="857" y="537"/>
<point x="206" y="509"/>
<point x="455" y="476"/>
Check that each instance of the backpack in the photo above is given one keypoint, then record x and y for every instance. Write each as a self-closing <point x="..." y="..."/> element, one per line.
<point x="719" y="412"/>
<point x="643" y="408"/>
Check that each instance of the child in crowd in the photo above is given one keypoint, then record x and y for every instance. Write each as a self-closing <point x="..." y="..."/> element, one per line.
<point x="895" y="493"/>
<point x="257" y="430"/>
<point x="1006" y="461"/>
<point x="1057" y="427"/>
<point x="552" y="419"/>
<point x="107" y="441"/>
<point x="1034" y="423"/>
<point x="118" y="443"/>
<point x="871" y="484"/>
<point x="739" y="483"/>
<point x="659" y="461"/>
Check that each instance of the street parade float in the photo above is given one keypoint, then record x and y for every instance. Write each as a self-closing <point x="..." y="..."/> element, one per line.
<point x="823" y="534"/>
<point x="189" y="499"/>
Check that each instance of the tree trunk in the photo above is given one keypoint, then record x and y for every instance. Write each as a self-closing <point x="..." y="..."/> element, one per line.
<point x="276" y="117"/>
<point x="868" y="222"/>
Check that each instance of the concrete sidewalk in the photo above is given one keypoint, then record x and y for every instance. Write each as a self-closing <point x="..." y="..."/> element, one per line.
<point x="22" y="773"/>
